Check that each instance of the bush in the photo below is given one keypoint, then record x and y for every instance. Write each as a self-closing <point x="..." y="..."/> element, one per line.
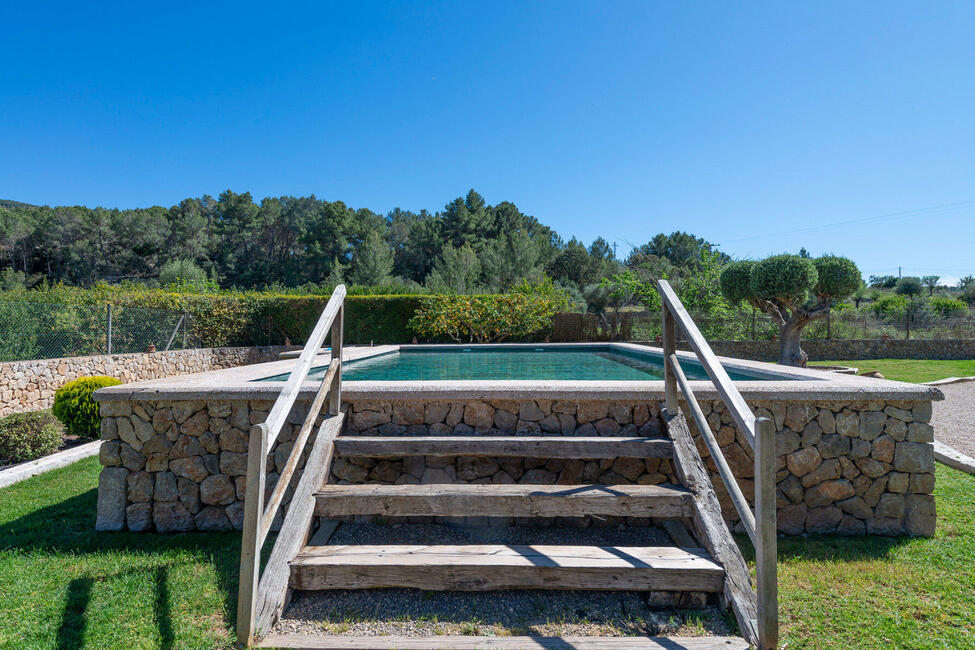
<point x="948" y="307"/>
<point x="908" y="286"/>
<point x="490" y="319"/>
<point x="74" y="406"/>
<point x="891" y="304"/>
<point x="26" y="436"/>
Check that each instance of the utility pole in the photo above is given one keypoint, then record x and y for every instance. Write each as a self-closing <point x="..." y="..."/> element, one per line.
<point x="614" y="250"/>
<point x="898" y="272"/>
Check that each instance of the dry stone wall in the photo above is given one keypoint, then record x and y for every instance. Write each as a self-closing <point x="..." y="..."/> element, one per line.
<point x="30" y="385"/>
<point x="847" y="467"/>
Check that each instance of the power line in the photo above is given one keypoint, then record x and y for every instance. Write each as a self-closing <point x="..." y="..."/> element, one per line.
<point x="930" y="210"/>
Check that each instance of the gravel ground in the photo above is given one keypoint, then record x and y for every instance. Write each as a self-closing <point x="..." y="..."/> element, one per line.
<point x="412" y="612"/>
<point x="954" y="418"/>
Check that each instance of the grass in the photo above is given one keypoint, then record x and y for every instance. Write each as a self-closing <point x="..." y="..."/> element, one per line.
<point x="66" y="586"/>
<point x="915" y="371"/>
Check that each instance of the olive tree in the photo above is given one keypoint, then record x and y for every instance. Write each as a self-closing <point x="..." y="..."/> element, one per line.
<point x="793" y="290"/>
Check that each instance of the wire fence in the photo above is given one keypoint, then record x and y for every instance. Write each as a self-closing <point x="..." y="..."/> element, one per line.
<point x="754" y="326"/>
<point x="32" y="330"/>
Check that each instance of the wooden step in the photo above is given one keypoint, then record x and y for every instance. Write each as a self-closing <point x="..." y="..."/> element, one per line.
<point x="502" y="500"/>
<point x="588" y="447"/>
<point x="315" y="642"/>
<point x="494" y="566"/>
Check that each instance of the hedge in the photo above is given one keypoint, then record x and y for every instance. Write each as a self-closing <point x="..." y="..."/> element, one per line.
<point x="244" y="318"/>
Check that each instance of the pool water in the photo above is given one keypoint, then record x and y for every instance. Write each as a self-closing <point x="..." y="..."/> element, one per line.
<point x="592" y="363"/>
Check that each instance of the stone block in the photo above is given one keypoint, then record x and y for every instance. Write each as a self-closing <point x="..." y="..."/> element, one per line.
<point x="922" y="483"/>
<point x="827" y="420"/>
<point x="791" y="520"/>
<point x="823" y="520"/>
<point x="192" y="469"/>
<point x="883" y="449"/>
<point x="138" y="517"/>
<point x="110" y="514"/>
<point x="108" y="453"/>
<point x="479" y="414"/>
<point x="899" y="414"/>
<point x="829" y="492"/>
<point x="786" y="441"/>
<point x="872" y="424"/>
<point x="189" y="494"/>
<point x="233" y="464"/>
<point x="530" y="412"/>
<point x="346" y="471"/>
<point x="884" y="526"/>
<point x="834" y="446"/>
<point x="914" y="457"/>
<point x="408" y="413"/>
<point x="162" y="419"/>
<point x="921" y="412"/>
<point x="212" y="518"/>
<point x="810" y="435"/>
<point x="851" y="526"/>
<point x="217" y="491"/>
<point x="538" y="476"/>
<point x="920" y="432"/>
<point x="591" y="411"/>
<point x="921" y="517"/>
<point x="798" y="415"/>
<point x="109" y="430"/>
<point x="804" y="461"/>
<point x="235" y="513"/>
<point x="828" y="470"/>
<point x="131" y="459"/>
<point x="550" y="424"/>
<point x="505" y="421"/>
<point x="848" y="424"/>
<point x="872" y="468"/>
<point x="126" y="432"/>
<point x="165" y="487"/>
<point x="629" y="468"/>
<point x="857" y="507"/>
<point x="139" y="487"/>
<point x="890" y="506"/>
<point x="897" y="482"/>
<point x="171" y="517"/>
<point x="196" y="424"/>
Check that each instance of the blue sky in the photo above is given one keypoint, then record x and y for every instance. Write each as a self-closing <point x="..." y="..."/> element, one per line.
<point x="736" y="121"/>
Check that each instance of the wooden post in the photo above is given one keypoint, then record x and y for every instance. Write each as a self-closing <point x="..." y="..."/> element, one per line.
<point x="765" y="548"/>
<point x="670" y="347"/>
<point x="335" y="399"/>
<point x="250" y="551"/>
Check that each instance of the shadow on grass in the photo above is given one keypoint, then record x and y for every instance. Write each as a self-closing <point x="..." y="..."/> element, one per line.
<point x="833" y="548"/>
<point x="68" y="528"/>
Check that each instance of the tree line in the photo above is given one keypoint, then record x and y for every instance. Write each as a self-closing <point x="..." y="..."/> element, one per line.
<point x="233" y="241"/>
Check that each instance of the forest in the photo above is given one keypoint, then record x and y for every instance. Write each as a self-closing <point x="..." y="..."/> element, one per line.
<point x="304" y="243"/>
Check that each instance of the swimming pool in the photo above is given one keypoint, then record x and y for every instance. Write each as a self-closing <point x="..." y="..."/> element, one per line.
<point x="513" y="362"/>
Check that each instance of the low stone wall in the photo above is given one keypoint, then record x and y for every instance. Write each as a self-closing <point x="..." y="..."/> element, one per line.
<point x="30" y="385"/>
<point x="824" y="350"/>
<point x="846" y="467"/>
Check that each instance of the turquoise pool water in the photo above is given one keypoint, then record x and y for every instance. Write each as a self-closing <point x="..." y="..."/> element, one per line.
<point x="592" y="363"/>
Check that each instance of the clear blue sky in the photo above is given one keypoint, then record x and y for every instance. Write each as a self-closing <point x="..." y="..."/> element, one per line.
<point x="729" y="120"/>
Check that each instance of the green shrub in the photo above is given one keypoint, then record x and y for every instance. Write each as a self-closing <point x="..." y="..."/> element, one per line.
<point x="74" y="406"/>
<point x="26" y="436"/>
<point x="891" y="304"/>
<point x="948" y="307"/>
<point x="490" y="319"/>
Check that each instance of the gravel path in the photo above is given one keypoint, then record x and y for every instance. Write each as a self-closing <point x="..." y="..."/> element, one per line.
<point x="954" y="418"/>
<point x="412" y="612"/>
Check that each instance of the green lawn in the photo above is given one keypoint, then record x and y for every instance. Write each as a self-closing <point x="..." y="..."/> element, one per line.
<point x="65" y="586"/>
<point x="911" y="370"/>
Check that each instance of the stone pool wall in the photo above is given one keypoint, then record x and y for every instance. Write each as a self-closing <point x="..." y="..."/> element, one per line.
<point x="846" y="467"/>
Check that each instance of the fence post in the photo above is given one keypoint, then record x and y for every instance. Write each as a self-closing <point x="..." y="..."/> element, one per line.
<point x="766" y="573"/>
<point x="670" y="347"/>
<point x="335" y="398"/>
<point x="108" y="333"/>
<point x="250" y="551"/>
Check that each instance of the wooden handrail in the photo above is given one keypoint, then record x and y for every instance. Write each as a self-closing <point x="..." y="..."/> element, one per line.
<point x="741" y="503"/>
<point x="742" y="415"/>
<point x="759" y="432"/>
<point x="278" y="414"/>
<point x="262" y="597"/>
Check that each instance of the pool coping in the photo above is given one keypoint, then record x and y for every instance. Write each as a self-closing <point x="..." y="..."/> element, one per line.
<point x="239" y="383"/>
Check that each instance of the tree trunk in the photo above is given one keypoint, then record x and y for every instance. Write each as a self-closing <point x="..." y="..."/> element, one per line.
<point x="790" y="350"/>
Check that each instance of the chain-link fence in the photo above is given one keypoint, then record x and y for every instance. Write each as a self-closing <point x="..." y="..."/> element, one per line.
<point x="33" y="330"/>
<point x="749" y="325"/>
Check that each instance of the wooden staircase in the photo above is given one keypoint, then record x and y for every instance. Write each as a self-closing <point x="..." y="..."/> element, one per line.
<point x="709" y="564"/>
